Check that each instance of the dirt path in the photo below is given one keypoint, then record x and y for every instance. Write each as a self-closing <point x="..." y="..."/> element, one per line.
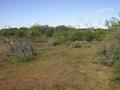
<point x="2" y="47"/>
<point x="58" y="68"/>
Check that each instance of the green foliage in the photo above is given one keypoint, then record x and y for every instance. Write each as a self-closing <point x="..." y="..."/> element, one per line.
<point x="112" y="35"/>
<point x="79" y="35"/>
<point x="43" y="29"/>
<point x="22" y="32"/>
<point x="74" y="35"/>
<point x="117" y="63"/>
<point x="61" y="36"/>
<point x="67" y="35"/>
<point x="100" y="34"/>
<point x="33" y="33"/>
<point x="117" y="67"/>
<point x="63" y="33"/>
<point x="8" y="32"/>
<point x="88" y="35"/>
<point x="63" y="28"/>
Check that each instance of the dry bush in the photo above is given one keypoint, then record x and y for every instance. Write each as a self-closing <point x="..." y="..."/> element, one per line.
<point x="20" y="47"/>
<point x="110" y="52"/>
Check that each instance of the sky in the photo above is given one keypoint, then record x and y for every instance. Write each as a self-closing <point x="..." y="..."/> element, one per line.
<point x="82" y="13"/>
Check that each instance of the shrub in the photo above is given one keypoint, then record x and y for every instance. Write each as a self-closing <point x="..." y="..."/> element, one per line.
<point x="62" y="28"/>
<point x="43" y="29"/>
<point x="79" y="44"/>
<point x="21" y="48"/>
<point x="60" y="36"/>
<point x="8" y="32"/>
<point x="74" y="35"/>
<point x="76" y="44"/>
<point x="49" y="32"/>
<point x="34" y="33"/>
<point x="110" y="52"/>
<point x="54" y="42"/>
<point x="117" y="68"/>
<point x="79" y="35"/>
<point x="117" y="63"/>
<point x="22" y="32"/>
<point x="88" y="35"/>
<point x="100" y="35"/>
<point x="112" y="35"/>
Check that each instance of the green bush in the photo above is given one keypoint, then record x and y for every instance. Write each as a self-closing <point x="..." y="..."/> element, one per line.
<point x="34" y="33"/>
<point x="63" y="28"/>
<point x="73" y="35"/>
<point x="8" y="32"/>
<point x="117" y="67"/>
<point x="112" y="35"/>
<point x="88" y="35"/>
<point x="61" y="36"/>
<point x="79" y="35"/>
<point x="49" y="32"/>
<point x="100" y="34"/>
<point x="21" y="33"/>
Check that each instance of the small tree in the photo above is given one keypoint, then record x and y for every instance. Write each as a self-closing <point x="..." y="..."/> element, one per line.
<point x="110" y="52"/>
<point x="113" y="24"/>
<point x="20" y="45"/>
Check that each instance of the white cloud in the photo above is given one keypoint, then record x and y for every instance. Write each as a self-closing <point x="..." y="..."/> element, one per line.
<point x="104" y="10"/>
<point x="107" y="10"/>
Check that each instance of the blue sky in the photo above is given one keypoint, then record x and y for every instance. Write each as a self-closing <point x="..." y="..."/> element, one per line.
<point x="16" y="13"/>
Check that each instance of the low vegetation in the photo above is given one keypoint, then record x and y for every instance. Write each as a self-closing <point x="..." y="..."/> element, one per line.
<point x="58" y="64"/>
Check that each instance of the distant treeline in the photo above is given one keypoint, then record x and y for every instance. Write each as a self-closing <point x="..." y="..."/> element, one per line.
<point x="38" y="30"/>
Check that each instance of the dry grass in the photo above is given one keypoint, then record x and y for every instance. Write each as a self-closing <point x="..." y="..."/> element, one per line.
<point x="58" y="68"/>
<point x="2" y="47"/>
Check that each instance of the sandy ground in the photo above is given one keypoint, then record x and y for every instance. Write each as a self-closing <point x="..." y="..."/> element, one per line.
<point x="58" y="68"/>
